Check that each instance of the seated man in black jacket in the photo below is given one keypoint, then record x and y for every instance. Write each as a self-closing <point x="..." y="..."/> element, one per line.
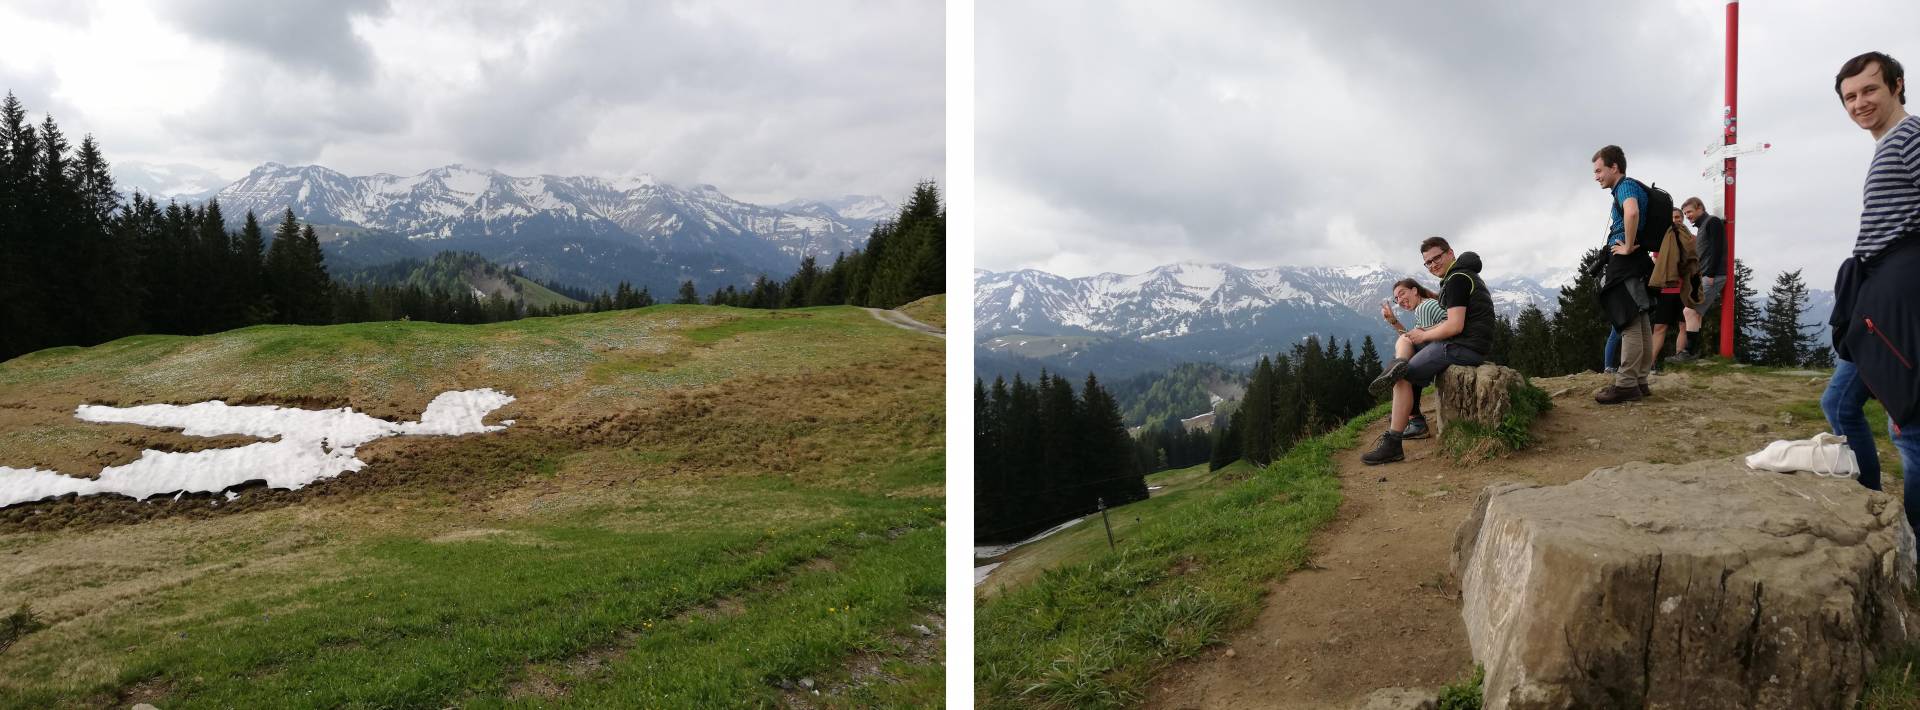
<point x="1462" y="339"/>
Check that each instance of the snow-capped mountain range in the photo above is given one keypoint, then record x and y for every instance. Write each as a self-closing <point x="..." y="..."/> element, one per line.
<point x="1188" y="298"/>
<point x="1118" y="324"/>
<point x="584" y="231"/>
<point x="456" y="201"/>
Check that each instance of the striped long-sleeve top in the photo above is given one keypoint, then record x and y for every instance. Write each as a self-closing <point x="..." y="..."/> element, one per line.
<point x="1428" y="314"/>
<point x="1892" y="203"/>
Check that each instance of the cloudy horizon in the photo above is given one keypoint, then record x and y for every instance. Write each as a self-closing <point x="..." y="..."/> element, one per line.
<point x="1118" y="138"/>
<point x="765" y="101"/>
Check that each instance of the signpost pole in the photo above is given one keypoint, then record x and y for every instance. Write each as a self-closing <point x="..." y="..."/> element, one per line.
<point x="1732" y="126"/>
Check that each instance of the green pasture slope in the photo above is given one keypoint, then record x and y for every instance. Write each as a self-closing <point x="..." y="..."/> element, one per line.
<point x="695" y="507"/>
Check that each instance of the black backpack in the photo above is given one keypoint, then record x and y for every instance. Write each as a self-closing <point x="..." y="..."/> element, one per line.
<point x="1639" y="263"/>
<point x="1659" y="207"/>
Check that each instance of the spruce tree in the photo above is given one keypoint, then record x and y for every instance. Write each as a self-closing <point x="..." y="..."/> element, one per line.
<point x="1502" y="351"/>
<point x="1370" y="367"/>
<point x="1781" y="340"/>
<point x="250" y="274"/>
<point x="283" y="270"/>
<point x="801" y="286"/>
<point x="1580" y="329"/>
<point x="1256" y="415"/>
<point x="1107" y="449"/>
<point x="1746" y="312"/>
<point x="1533" y="352"/>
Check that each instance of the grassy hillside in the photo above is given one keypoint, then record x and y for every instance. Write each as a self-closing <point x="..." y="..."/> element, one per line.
<point x="1170" y="492"/>
<point x="540" y="296"/>
<point x="931" y="310"/>
<point x="1178" y="393"/>
<point x="1092" y="628"/>
<point x="694" y="506"/>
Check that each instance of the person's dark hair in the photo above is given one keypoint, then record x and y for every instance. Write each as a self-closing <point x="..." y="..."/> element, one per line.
<point x="1432" y="242"/>
<point x="1890" y="72"/>
<point x="1612" y="156"/>
<point x="1694" y="202"/>
<point x="1415" y="285"/>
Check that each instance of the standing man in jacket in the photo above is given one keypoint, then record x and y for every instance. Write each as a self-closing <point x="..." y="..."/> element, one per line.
<point x="1875" y="315"/>
<point x="1711" y="240"/>
<point x="1623" y="284"/>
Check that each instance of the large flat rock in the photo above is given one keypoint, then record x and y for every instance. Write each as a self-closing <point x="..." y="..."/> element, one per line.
<point x="1701" y="585"/>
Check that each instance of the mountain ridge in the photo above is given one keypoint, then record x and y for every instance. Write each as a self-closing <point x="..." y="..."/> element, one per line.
<point x="592" y="231"/>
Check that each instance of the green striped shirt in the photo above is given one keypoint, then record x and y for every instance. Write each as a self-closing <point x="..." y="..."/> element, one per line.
<point x="1428" y="314"/>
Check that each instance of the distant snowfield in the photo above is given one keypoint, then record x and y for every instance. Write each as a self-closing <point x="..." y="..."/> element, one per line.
<point x="311" y="445"/>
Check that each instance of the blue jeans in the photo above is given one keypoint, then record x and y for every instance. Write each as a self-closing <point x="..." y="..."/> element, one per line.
<point x="1610" y="357"/>
<point x="1428" y="362"/>
<point x="1845" y="406"/>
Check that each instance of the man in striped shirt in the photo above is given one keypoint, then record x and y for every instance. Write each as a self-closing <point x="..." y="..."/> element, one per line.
<point x="1877" y="283"/>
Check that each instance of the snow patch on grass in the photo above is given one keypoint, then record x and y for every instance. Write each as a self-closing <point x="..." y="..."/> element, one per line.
<point x="311" y="445"/>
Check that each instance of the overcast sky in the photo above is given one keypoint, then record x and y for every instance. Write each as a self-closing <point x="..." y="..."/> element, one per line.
<point x="1118" y="137"/>
<point x="766" y="100"/>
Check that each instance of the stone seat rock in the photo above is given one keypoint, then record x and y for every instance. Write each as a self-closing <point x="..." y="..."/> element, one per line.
<point x="1701" y="585"/>
<point x="1479" y="394"/>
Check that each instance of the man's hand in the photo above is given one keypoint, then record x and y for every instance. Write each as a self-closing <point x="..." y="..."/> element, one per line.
<point x="1417" y="336"/>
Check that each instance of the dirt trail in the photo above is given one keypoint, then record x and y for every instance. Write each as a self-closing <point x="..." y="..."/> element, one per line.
<point x="902" y="320"/>
<point x="1376" y="606"/>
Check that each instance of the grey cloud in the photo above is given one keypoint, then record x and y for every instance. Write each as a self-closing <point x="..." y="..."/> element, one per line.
<point x="732" y="106"/>
<point x="309" y="35"/>
<point x="765" y="100"/>
<point x="269" y="114"/>
<point x="1338" y="132"/>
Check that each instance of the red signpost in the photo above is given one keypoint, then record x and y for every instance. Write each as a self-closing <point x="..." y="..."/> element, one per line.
<point x="1732" y="131"/>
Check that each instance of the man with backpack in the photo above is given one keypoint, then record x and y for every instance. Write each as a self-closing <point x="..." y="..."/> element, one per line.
<point x="1876" y="316"/>
<point x="1623" y="287"/>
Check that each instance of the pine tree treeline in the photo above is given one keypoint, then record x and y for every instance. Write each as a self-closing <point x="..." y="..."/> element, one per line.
<point x="1043" y="455"/>
<point x="1171" y="445"/>
<point x="1295" y="395"/>
<point x="80" y="266"/>
<point x="1573" y="338"/>
<point x="1151" y="400"/>
<point x="904" y="260"/>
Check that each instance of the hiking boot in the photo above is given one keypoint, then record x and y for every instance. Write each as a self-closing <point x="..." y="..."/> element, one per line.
<point x="1384" y="383"/>
<point x="1387" y="452"/>
<point x="1683" y="356"/>
<point x="1615" y="395"/>
<point x="1644" y="391"/>
<point x="1416" y="429"/>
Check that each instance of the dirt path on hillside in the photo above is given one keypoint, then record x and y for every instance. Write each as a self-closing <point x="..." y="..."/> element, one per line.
<point x="1376" y="606"/>
<point x="902" y="320"/>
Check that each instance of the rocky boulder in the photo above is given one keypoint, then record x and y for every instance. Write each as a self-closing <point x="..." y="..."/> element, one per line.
<point x="1702" y="585"/>
<point x="1477" y="394"/>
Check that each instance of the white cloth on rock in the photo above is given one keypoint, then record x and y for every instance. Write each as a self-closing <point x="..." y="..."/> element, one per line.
<point x="1822" y="455"/>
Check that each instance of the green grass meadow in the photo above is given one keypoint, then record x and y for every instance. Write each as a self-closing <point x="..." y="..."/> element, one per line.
<point x="1091" y="630"/>
<point x="603" y="552"/>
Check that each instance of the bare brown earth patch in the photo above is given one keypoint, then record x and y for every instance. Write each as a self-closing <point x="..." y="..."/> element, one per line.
<point x="1376" y="606"/>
